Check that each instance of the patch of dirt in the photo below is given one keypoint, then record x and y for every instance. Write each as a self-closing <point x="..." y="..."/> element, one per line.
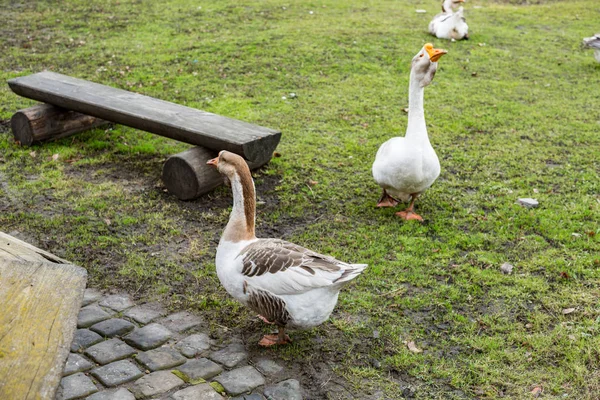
<point x="141" y="175"/>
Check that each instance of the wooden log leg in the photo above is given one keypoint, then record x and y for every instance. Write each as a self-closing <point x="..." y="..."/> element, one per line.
<point x="187" y="176"/>
<point x="47" y="122"/>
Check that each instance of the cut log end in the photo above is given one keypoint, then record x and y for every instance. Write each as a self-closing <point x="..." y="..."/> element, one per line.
<point x="187" y="176"/>
<point x="47" y="122"/>
<point x="21" y="128"/>
<point x="260" y="152"/>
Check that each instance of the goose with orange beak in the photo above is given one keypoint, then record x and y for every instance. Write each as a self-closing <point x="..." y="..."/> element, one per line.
<point x="285" y="284"/>
<point x="449" y="24"/>
<point x="406" y="166"/>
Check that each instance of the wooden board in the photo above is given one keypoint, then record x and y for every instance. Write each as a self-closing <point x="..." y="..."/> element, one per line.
<point x="18" y="250"/>
<point x="40" y="303"/>
<point x="253" y="142"/>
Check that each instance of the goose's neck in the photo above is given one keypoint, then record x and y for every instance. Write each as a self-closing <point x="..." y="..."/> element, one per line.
<point x="242" y="219"/>
<point x="447" y="6"/>
<point x="416" y="128"/>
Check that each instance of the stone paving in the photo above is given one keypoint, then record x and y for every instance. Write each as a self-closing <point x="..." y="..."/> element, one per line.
<point x="125" y="351"/>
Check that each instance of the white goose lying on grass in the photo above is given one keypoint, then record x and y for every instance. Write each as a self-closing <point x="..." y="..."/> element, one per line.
<point x="448" y="24"/>
<point x="406" y="166"/>
<point x="593" y="43"/>
<point x="286" y="284"/>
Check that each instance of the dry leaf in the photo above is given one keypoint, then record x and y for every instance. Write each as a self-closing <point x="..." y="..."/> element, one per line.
<point x="107" y="221"/>
<point x="413" y="347"/>
<point x="312" y="183"/>
<point x="276" y="154"/>
<point x="33" y="154"/>
<point x="568" y="311"/>
<point x="537" y="391"/>
<point x="55" y="157"/>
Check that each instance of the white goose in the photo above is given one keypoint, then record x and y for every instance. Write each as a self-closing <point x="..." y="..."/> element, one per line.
<point x="406" y="166"/>
<point x="593" y="42"/>
<point x="286" y="284"/>
<point x="448" y="24"/>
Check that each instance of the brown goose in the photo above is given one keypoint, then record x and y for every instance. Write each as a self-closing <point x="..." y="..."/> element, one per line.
<point x="286" y="284"/>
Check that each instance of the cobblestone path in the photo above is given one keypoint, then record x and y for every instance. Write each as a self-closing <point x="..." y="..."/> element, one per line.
<point x="124" y="351"/>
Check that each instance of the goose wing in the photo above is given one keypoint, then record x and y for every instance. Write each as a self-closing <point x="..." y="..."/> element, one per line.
<point x="284" y="268"/>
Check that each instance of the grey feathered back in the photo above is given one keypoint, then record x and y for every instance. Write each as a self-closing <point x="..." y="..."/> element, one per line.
<point x="592" y="42"/>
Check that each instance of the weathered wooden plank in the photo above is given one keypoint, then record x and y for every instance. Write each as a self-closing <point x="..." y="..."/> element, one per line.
<point x="201" y="128"/>
<point x="47" y="122"/>
<point x="187" y="176"/>
<point x="18" y="250"/>
<point x="40" y="303"/>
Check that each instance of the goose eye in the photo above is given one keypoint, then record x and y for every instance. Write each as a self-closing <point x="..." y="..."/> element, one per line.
<point x="421" y="55"/>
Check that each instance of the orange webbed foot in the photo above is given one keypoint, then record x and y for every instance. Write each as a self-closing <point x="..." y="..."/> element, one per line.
<point x="387" y="201"/>
<point x="409" y="215"/>
<point x="272" y="340"/>
<point x="263" y="319"/>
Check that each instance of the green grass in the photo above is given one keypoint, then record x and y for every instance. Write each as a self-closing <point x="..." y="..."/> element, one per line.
<point x="512" y="113"/>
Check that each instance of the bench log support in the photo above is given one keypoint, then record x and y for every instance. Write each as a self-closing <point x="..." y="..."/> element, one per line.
<point x="47" y="122"/>
<point x="187" y="176"/>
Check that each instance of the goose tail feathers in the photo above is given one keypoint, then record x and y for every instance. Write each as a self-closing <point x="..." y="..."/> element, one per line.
<point x="351" y="272"/>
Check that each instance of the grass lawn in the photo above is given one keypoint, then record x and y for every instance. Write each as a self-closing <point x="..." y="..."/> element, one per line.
<point x="513" y="112"/>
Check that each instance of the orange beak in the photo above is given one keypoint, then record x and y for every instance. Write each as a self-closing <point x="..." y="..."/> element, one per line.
<point x="214" y="162"/>
<point x="434" y="54"/>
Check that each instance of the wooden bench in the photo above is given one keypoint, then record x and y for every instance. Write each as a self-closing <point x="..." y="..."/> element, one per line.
<point x="210" y="131"/>
<point x="40" y="295"/>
